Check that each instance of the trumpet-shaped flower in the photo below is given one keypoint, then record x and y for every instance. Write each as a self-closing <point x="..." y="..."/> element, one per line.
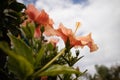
<point x="66" y="33"/>
<point x="42" y="19"/>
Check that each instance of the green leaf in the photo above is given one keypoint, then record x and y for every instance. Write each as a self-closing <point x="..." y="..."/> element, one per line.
<point x="58" y="69"/>
<point x="29" y="30"/>
<point x="17" y="64"/>
<point x="22" y="49"/>
<point x="50" y="47"/>
<point x="39" y="56"/>
<point x="20" y="67"/>
<point x="49" y="63"/>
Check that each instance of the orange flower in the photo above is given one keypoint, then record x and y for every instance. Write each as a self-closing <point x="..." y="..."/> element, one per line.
<point x="40" y="17"/>
<point x="66" y="33"/>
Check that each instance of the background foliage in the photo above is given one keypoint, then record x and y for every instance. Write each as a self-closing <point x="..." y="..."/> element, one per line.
<point x="104" y="73"/>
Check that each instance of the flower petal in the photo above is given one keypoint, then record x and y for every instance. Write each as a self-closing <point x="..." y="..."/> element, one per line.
<point x="32" y="12"/>
<point x="87" y="40"/>
<point x="42" y="18"/>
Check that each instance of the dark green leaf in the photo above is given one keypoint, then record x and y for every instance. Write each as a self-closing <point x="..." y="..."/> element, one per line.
<point x="14" y="30"/>
<point x="16" y="6"/>
<point x="17" y="63"/>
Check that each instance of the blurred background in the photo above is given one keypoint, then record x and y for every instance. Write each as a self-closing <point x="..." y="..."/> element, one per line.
<point x="100" y="17"/>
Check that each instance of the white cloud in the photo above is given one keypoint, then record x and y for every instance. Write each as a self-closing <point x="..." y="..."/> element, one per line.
<point x="101" y="17"/>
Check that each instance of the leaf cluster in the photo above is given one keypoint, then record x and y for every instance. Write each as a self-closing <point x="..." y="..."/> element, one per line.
<point x="30" y="58"/>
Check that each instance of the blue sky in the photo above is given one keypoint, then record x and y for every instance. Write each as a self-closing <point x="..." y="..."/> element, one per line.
<point x="79" y="1"/>
<point x="29" y="1"/>
<point x="101" y="17"/>
<point x="74" y="1"/>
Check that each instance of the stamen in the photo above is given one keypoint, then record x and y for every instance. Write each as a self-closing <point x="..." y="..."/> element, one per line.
<point x="77" y="26"/>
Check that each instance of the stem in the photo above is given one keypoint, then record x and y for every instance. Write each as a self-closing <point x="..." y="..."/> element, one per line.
<point x="49" y="63"/>
<point x="59" y="77"/>
<point x="66" y="60"/>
